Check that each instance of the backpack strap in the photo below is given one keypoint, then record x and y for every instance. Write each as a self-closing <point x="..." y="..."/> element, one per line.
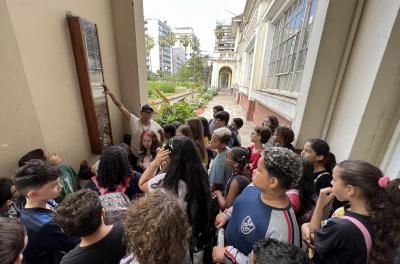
<point x="320" y="175"/>
<point x="364" y="231"/>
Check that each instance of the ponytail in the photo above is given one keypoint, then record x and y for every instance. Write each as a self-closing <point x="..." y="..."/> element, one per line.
<point x="241" y="155"/>
<point x="321" y="148"/>
<point x="382" y="205"/>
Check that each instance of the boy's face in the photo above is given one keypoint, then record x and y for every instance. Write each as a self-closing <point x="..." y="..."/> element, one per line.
<point x="219" y="123"/>
<point x="262" y="179"/>
<point x="234" y="125"/>
<point x="215" y="142"/>
<point x="50" y="190"/>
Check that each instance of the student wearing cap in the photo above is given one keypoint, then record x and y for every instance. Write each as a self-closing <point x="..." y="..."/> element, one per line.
<point x="138" y="124"/>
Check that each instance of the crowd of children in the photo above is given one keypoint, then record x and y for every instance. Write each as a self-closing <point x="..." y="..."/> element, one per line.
<point x="162" y="200"/>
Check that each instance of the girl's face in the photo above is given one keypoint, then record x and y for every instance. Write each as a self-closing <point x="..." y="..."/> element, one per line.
<point x="278" y="139"/>
<point x="147" y="141"/>
<point x="308" y="153"/>
<point x="338" y="186"/>
<point x="267" y="123"/>
<point x="178" y="133"/>
<point x="261" y="177"/>
<point x="229" y="160"/>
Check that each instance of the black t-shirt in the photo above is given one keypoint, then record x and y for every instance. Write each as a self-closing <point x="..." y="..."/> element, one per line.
<point x="110" y="249"/>
<point x="340" y="241"/>
<point x="322" y="179"/>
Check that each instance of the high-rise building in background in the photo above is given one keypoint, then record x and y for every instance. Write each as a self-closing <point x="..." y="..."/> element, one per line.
<point x="224" y="42"/>
<point x="178" y="58"/>
<point x="159" y="58"/>
<point x="180" y="32"/>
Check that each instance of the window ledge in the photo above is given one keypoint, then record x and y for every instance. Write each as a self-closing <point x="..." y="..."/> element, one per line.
<point x="290" y="95"/>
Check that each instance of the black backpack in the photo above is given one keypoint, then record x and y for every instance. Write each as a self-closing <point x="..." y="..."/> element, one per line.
<point x="202" y="210"/>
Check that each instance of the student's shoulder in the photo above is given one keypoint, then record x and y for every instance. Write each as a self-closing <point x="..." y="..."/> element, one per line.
<point x="36" y="216"/>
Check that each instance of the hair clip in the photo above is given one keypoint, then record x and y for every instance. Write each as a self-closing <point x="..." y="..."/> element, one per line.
<point x="383" y="181"/>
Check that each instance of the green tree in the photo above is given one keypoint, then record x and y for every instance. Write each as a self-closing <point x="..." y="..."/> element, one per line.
<point x="171" y="38"/>
<point x="163" y="42"/>
<point x="185" y="41"/>
<point x="149" y="44"/>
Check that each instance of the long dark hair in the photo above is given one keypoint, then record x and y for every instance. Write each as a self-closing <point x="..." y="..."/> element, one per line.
<point x="155" y="143"/>
<point x="206" y="127"/>
<point x="321" y="148"/>
<point x="306" y="188"/>
<point x="113" y="167"/>
<point x="185" y="164"/>
<point x="198" y="134"/>
<point x="382" y="205"/>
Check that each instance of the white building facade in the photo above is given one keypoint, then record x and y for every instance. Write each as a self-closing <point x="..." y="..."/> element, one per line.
<point x="178" y="58"/>
<point x="329" y="69"/>
<point x="160" y="58"/>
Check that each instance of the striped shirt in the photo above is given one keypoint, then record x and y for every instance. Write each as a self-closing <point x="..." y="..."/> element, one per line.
<point x="252" y="220"/>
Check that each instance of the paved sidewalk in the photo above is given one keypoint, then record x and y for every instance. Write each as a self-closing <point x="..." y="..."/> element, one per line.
<point x="234" y="110"/>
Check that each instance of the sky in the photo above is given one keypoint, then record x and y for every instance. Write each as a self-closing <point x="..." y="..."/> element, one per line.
<point x="201" y="15"/>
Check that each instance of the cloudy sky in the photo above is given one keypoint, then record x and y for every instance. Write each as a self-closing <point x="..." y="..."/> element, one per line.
<point x="199" y="14"/>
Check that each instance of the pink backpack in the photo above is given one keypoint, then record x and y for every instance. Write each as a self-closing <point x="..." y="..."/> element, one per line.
<point x="364" y="231"/>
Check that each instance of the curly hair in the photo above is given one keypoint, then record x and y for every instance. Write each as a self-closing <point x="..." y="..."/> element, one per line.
<point x="79" y="214"/>
<point x="12" y="243"/>
<point x="321" y="148"/>
<point x="113" y="167"/>
<point x="269" y="250"/>
<point x="284" y="165"/>
<point x="382" y="205"/>
<point x="223" y="133"/>
<point x="155" y="143"/>
<point x="35" y="174"/>
<point x="156" y="229"/>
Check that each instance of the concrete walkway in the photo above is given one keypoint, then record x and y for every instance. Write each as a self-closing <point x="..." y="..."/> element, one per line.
<point x="234" y="110"/>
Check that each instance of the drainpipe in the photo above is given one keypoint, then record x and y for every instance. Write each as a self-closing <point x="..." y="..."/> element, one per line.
<point x="343" y="66"/>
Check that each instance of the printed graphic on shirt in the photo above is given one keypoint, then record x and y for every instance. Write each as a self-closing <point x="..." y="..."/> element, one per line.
<point x="247" y="225"/>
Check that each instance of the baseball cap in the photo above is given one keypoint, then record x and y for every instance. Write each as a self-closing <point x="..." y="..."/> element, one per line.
<point x="147" y="108"/>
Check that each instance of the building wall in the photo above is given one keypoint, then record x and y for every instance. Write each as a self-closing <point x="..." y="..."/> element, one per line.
<point x="43" y="95"/>
<point x="349" y="91"/>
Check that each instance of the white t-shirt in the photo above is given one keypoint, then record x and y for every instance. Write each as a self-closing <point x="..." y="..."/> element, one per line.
<point x="137" y="128"/>
<point x="182" y="188"/>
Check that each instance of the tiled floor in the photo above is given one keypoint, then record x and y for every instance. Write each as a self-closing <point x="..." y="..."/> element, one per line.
<point x="235" y="110"/>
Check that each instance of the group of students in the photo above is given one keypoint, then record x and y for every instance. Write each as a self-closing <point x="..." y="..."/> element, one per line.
<point x="163" y="200"/>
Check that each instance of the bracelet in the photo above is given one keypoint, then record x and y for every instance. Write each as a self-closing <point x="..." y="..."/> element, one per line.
<point x="118" y="104"/>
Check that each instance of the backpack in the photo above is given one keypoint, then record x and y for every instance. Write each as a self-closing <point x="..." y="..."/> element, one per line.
<point x="234" y="140"/>
<point x="115" y="206"/>
<point x="202" y="210"/>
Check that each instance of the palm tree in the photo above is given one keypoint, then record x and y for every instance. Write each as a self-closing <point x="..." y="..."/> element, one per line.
<point x="163" y="42"/>
<point x="149" y="44"/>
<point x="171" y="38"/>
<point x="195" y="45"/>
<point x="185" y="41"/>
